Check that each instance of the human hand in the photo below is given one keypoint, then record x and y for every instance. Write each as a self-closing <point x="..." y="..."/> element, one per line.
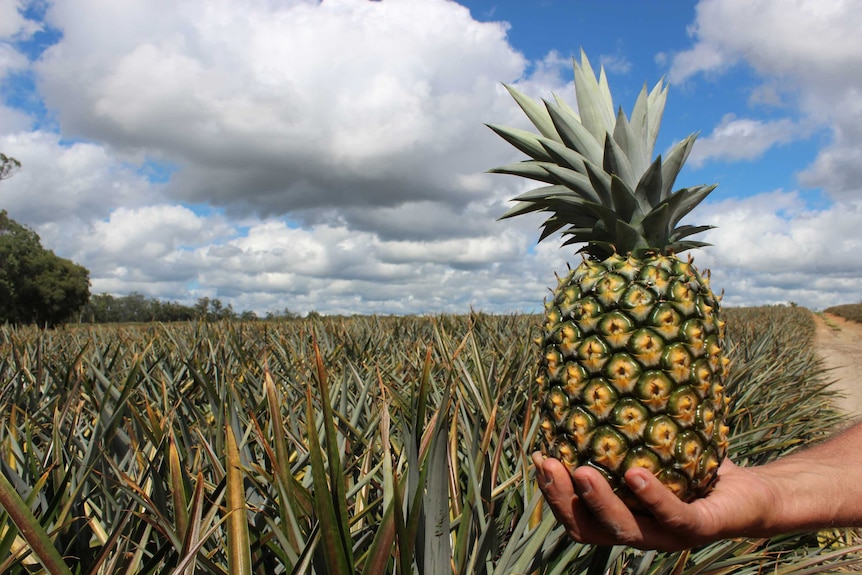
<point x="584" y="502"/>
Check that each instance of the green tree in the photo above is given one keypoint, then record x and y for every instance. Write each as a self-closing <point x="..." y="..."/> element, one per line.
<point x="8" y="166"/>
<point x="36" y="285"/>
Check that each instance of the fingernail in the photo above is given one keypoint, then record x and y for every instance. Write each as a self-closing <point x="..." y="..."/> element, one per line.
<point x="583" y="484"/>
<point x="637" y="483"/>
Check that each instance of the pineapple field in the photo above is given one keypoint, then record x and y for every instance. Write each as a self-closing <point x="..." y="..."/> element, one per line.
<point x="341" y="445"/>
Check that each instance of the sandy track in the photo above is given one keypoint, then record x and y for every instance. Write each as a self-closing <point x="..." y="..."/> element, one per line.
<point x="839" y="343"/>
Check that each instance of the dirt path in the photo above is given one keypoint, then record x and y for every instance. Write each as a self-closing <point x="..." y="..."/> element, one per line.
<point x="839" y="343"/>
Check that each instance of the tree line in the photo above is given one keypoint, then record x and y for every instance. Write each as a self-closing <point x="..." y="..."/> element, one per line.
<point x="135" y="307"/>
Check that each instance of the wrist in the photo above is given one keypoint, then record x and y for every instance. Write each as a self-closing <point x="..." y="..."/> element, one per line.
<point x="801" y="496"/>
<point x="767" y="503"/>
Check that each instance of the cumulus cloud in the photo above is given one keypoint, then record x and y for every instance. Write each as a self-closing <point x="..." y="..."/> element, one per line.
<point x="616" y="63"/>
<point x="742" y="139"/>
<point x="11" y="60"/>
<point x="13" y="24"/>
<point x="68" y="182"/>
<point x="774" y="248"/>
<point x="13" y="120"/>
<point x="320" y="156"/>
<point x="275" y="108"/>
<point x="801" y="39"/>
<point x="166" y="249"/>
<point x="147" y="249"/>
<point x="810" y="49"/>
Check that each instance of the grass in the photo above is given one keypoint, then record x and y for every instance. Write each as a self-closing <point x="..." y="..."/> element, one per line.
<point x="850" y="311"/>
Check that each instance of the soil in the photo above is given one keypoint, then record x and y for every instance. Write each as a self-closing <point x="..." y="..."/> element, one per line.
<point x="839" y="343"/>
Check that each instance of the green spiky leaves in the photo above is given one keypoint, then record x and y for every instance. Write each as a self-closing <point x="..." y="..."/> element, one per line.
<point x="603" y="187"/>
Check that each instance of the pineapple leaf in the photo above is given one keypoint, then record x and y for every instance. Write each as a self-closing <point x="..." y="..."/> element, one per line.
<point x="679" y="247"/>
<point x="656" y="225"/>
<point x="581" y="225"/>
<point x="238" y="541"/>
<point x="436" y="547"/>
<point x="589" y="236"/>
<point x="530" y="169"/>
<point x="605" y="91"/>
<point x="628" y="239"/>
<point x="545" y="195"/>
<point x="625" y="203"/>
<point x="30" y="529"/>
<point x="566" y="157"/>
<point x="578" y="183"/>
<point x="537" y="113"/>
<point x="685" y="231"/>
<point x="178" y="492"/>
<point x="565" y="107"/>
<point x="655" y="108"/>
<point x="520" y="209"/>
<point x="649" y="188"/>
<point x="673" y="164"/>
<point x="597" y="213"/>
<point x="595" y="105"/>
<point x="604" y="160"/>
<point x="639" y="123"/>
<point x="525" y="141"/>
<point x="630" y="143"/>
<point x="551" y="226"/>
<point x="616" y="162"/>
<point x="574" y="134"/>
<point x="333" y="551"/>
<point x="601" y="182"/>
<point x="684" y="200"/>
<point x="537" y="199"/>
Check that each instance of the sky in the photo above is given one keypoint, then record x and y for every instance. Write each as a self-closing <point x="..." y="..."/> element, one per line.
<point x="333" y="156"/>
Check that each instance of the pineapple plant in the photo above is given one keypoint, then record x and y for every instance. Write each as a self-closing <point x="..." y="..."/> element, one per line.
<point x="632" y="363"/>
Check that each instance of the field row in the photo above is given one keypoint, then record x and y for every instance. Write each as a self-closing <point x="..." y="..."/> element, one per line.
<point x="338" y="445"/>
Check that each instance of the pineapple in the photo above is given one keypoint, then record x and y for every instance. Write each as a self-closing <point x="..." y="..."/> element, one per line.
<point x="632" y="363"/>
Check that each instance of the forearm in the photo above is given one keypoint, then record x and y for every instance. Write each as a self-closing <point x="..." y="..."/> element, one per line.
<point x="818" y="487"/>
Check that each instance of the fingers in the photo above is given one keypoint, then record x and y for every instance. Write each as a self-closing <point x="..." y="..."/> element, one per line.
<point x="556" y="486"/>
<point x="617" y="522"/>
<point x="587" y="506"/>
<point x="659" y="501"/>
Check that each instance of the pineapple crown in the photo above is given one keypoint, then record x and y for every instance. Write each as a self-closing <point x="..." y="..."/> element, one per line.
<point x="603" y="189"/>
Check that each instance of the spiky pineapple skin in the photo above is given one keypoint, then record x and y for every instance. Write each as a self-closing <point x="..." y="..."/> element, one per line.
<point x="632" y="372"/>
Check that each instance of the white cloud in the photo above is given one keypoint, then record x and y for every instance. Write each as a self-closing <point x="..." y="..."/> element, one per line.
<point x="800" y="39"/>
<point x="68" y="182"/>
<point x="11" y="60"/>
<point x="839" y="169"/>
<point x="13" y="120"/>
<point x="772" y="248"/>
<point x="348" y="116"/>
<point x="146" y="249"/>
<point x="285" y="107"/>
<point x="742" y="139"/>
<point x="616" y="63"/>
<point x="703" y="57"/>
<point x="12" y="22"/>
<point x="808" y="49"/>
